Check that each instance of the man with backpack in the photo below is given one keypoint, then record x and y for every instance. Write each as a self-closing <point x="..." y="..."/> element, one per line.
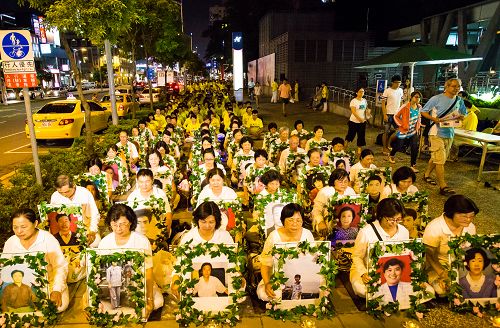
<point x="440" y="110"/>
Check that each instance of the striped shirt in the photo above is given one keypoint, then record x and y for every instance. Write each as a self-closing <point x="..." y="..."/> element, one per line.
<point x="414" y="112"/>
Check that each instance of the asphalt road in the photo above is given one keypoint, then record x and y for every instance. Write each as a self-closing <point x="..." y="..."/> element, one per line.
<point x="15" y="148"/>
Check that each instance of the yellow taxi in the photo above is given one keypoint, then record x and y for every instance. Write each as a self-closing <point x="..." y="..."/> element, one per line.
<point x="65" y="119"/>
<point x="124" y="104"/>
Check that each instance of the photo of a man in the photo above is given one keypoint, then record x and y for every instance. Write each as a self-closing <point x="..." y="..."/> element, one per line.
<point x="114" y="278"/>
<point x="18" y="297"/>
<point x="65" y="236"/>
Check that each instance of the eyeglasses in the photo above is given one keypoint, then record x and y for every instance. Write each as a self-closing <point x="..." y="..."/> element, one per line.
<point x="395" y="220"/>
<point x="294" y="220"/>
<point x="120" y="225"/>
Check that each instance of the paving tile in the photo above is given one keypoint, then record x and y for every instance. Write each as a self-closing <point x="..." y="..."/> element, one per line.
<point x="359" y="320"/>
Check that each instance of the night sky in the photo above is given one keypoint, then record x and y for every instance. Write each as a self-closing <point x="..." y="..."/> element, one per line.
<point x="384" y="15"/>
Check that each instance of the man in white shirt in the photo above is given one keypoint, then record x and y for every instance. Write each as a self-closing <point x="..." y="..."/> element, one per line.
<point x="114" y="278"/>
<point x="68" y="193"/>
<point x="128" y="148"/>
<point x="391" y="101"/>
<point x="293" y="148"/>
<point x="144" y="193"/>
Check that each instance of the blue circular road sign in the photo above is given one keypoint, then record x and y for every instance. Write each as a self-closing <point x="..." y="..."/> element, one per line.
<point x="15" y="45"/>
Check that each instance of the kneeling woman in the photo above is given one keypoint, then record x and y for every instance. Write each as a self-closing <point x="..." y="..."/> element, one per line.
<point x="122" y="220"/>
<point x="292" y="231"/>
<point x="28" y="239"/>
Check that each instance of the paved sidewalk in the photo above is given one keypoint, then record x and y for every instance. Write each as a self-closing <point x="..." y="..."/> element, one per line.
<point x="461" y="176"/>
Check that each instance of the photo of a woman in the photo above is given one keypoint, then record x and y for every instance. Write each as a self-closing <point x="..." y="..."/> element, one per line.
<point x="476" y="283"/>
<point x="208" y="285"/>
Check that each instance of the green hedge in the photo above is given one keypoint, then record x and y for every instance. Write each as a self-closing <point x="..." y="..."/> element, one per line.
<point x="485" y="104"/>
<point x="23" y="191"/>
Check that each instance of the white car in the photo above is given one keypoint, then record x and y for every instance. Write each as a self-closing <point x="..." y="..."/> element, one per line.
<point x="144" y="96"/>
<point x="10" y="94"/>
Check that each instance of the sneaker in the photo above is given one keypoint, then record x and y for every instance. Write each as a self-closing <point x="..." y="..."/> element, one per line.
<point x="392" y="160"/>
<point x="414" y="169"/>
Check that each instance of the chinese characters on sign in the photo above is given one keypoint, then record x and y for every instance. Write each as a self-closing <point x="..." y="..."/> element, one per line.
<point x="17" y="59"/>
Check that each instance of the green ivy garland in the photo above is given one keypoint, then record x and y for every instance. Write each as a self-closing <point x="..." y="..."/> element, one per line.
<point x="458" y="247"/>
<point x="337" y="200"/>
<point x="341" y="154"/>
<point x="123" y="184"/>
<point x="37" y="263"/>
<point x="187" y="314"/>
<point x="275" y="148"/>
<point x="320" y="145"/>
<point x="324" y="309"/>
<point x="143" y="146"/>
<point x="101" y="182"/>
<point x="422" y="200"/>
<point x="326" y="170"/>
<point x="365" y="174"/>
<point x="237" y="162"/>
<point x="195" y="179"/>
<point x="269" y="138"/>
<point x="69" y="209"/>
<point x="281" y="196"/>
<point x="157" y="206"/>
<point x="137" y="288"/>
<point x="253" y="173"/>
<point x="416" y="250"/>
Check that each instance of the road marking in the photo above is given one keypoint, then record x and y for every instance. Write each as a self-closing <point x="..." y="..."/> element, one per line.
<point x="10" y="135"/>
<point x="13" y="115"/>
<point x="13" y="151"/>
<point x="3" y="122"/>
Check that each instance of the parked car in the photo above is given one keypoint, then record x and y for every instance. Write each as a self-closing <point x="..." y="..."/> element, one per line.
<point x="144" y="96"/>
<point x="88" y="85"/>
<point x="34" y="93"/>
<point x="11" y="94"/>
<point x="65" y="119"/>
<point x="173" y="88"/>
<point x="57" y="92"/>
<point x="124" y="104"/>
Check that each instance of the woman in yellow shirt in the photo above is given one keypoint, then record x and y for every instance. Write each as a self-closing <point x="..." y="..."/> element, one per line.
<point x="191" y="124"/>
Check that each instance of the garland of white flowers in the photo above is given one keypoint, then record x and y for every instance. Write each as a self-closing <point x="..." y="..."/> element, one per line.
<point x="101" y="182"/>
<point x="365" y="174"/>
<point x="325" y="308"/>
<point x="157" y="206"/>
<point x="137" y="296"/>
<point x="187" y="314"/>
<point x="282" y="196"/>
<point x="341" y="154"/>
<point x="37" y="263"/>
<point x="458" y="247"/>
<point x="338" y="200"/>
<point x="422" y="199"/>
<point x="123" y="184"/>
<point x="416" y="250"/>
<point x="45" y="208"/>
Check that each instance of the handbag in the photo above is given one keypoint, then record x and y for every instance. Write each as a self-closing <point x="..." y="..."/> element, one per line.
<point x="429" y="124"/>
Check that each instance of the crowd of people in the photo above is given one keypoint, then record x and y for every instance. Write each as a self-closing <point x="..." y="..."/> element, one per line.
<point x="200" y="152"/>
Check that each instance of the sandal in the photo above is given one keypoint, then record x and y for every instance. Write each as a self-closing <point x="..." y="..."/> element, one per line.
<point x="429" y="180"/>
<point x="447" y="191"/>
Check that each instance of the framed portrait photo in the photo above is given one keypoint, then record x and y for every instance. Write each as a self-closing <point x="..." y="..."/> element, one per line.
<point x="364" y="176"/>
<point x="417" y="210"/>
<point x="151" y="221"/>
<point x="64" y="222"/>
<point x="210" y="283"/>
<point x="24" y="290"/>
<point x="397" y="279"/>
<point x="475" y="273"/>
<point x="303" y="276"/>
<point x="116" y="286"/>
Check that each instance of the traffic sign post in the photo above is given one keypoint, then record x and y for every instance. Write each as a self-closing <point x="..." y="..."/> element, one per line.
<point x="19" y="71"/>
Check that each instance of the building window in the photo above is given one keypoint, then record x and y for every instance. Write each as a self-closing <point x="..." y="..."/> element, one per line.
<point x="310" y="51"/>
<point x="338" y="46"/>
<point x="300" y="48"/>
<point x="321" y="51"/>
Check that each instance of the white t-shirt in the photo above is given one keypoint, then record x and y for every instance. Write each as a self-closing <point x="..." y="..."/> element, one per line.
<point x="135" y="241"/>
<point x="273" y="238"/>
<point x="227" y="195"/>
<point x="209" y="288"/>
<point x="219" y="237"/>
<point x="393" y="100"/>
<point x="353" y="175"/>
<point x="131" y="149"/>
<point x="157" y="192"/>
<point x="57" y="267"/>
<point x="360" y="107"/>
<point x="322" y="199"/>
<point x="84" y="197"/>
<point x="437" y="234"/>
<point x="392" y="189"/>
<point x="367" y="236"/>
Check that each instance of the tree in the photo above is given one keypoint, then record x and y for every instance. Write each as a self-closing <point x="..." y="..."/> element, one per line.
<point x="44" y="75"/>
<point x="96" y="20"/>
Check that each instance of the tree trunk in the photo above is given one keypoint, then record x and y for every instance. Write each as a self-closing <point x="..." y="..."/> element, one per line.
<point x="89" y="142"/>
<point x="134" y="72"/>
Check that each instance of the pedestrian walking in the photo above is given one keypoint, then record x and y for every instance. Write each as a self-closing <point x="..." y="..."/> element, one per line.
<point x="285" y="91"/>
<point x="440" y="109"/>
<point x="257" y="90"/>
<point x="324" y="96"/>
<point x="357" y="121"/>
<point x="251" y="86"/>
<point x="408" y="121"/>
<point x="274" y="88"/>
<point x="391" y="101"/>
